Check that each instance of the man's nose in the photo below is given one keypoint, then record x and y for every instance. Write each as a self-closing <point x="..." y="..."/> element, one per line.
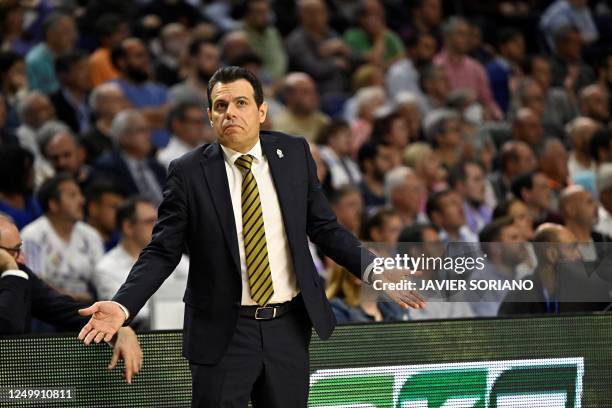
<point x="231" y="110"/>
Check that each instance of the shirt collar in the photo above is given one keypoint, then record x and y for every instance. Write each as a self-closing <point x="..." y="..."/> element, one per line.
<point x="231" y="155"/>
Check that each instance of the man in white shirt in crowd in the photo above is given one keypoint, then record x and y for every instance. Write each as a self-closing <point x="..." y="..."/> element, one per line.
<point x="189" y="129"/>
<point x="135" y="219"/>
<point x="604" y="190"/>
<point x="59" y="246"/>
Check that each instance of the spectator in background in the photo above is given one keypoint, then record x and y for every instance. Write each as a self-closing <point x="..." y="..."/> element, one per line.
<point x="426" y="16"/>
<point x="189" y="129"/>
<point x="171" y="11"/>
<point x="580" y="132"/>
<point x="506" y="66"/>
<point x="426" y="164"/>
<point x="233" y="44"/>
<point x="601" y="146"/>
<point x="59" y="246"/>
<point x="264" y="38"/>
<point x="568" y="69"/>
<point x="132" y="60"/>
<point x="604" y="192"/>
<point x="60" y="35"/>
<point x="469" y="180"/>
<point x="203" y="58"/>
<point x="334" y="142"/>
<point x="534" y="190"/>
<point x="13" y="84"/>
<point x="519" y="212"/>
<point x="443" y="130"/>
<point x="302" y="117"/>
<point x="70" y="101"/>
<point x="553" y="163"/>
<point x="579" y="212"/>
<point x="527" y="127"/>
<point x="462" y="70"/>
<point x="135" y="219"/>
<point x="593" y="103"/>
<point x="604" y="74"/>
<point x="372" y="40"/>
<point x="173" y="42"/>
<point x="12" y="28"/>
<point x="316" y="49"/>
<point x="367" y="101"/>
<point x="392" y="129"/>
<point x="383" y="227"/>
<point x="102" y="198"/>
<point x="515" y="158"/>
<point x="66" y="154"/>
<point x="17" y="185"/>
<point x="435" y="87"/>
<point x="110" y="30"/>
<point x="347" y="204"/>
<point x="564" y="13"/>
<point x="105" y="102"/>
<point x="408" y="105"/>
<point x="131" y="166"/>
<point x="445" y="210"/>
<point x="375" y="161"/>
<point x="405" y="193"/>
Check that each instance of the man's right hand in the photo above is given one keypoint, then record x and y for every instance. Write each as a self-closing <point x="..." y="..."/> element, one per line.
<point x="106" y="319"/>
<point x="7" y="261"/>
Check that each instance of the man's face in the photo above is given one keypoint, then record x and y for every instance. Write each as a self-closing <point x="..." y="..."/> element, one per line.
<point x="70" y="204"/>
<point x="475" y="184"/>
<point x="136" y="62"/>
<point x="10" y="238"/>
<point x="303" y="98"/>
<point x="388" y="234"/>
<point x="522" y="219"/>
<point x="63" y="35"/>
<point x="409" y="196"/>
<point x="64" y="154"/>
<point x="235" y="115"/>
<point x="541" y="72"/>
<point x="111" y="103"/>
<point x="258" y="14"/>
<point x="530" y="129"/>
<point x="541" y="193"/>
<point x="349" y="211"/>
<point x="78" y="76"/>
<point x="426" y="48"/>
<point x="513" y="250"/>
<point x="314" y="15"/>
<point x="451" y="206"/>
<point x="383" y="162"/>
<point x="587" y="209"/>
<point x="515" y="48"/>
<point x="137" y="139"/>
<point x="39" y="111"/>
<point x="146" y="216"/>
<point x="570" y="49"/>
<point x="190" y="128"/>
<point x="459" y="40"/>
<point x="526" y="160"/>
<point x="207" y="61"/>
<point x="431" y="12"/>
<point x="597" y="105"/>
<point x="568" y="248"/>
<point x="452" y="134"/>
<point x="104" y="211"/>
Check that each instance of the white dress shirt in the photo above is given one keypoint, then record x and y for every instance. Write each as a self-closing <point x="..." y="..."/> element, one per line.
<point x="281" y="264"/>
<point x="175" y="149"/>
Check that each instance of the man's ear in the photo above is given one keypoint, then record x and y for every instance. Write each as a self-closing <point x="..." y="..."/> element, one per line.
<point x="263" y="112"/>
<point x="209" y="113"/>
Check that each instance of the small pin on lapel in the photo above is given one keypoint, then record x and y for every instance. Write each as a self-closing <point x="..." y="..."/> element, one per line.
<point x="279" y="153"/>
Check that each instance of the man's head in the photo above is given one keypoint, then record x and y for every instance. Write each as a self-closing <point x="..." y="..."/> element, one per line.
<point x="553" y="243"/>
<point x="236" y="107"/>
<point x="17" y="169"/>
<point x="604" y="69"/>
<point x="519" y="212"/>
<point x="553" y="161"/>
<point x="10" y="239"/>
<point x="132" y="133"/>
<point x="233" y="44"/>
<point x="205" y="58"/>
<point x="503" y="242"/>
<point x="539" y="69"/>
<point x="107" y="100"/>
<point x="534" y="190"/>
<point x="368" y="100"/>
<point x="531" y="96"/>
<point x="527" y="127"/>
<point x="186" y="121"/>
<point x="435" y="83"/>
<point x="428" y="12"/>
<point x="371" y="16"/>
<point x="517" y="157"/>
<point x="577" y="206"/>
<point x="511" y="44"/>
<point x="456" y="32"/>
<point x="604" y="186"/>
<point x="60" y="197"/>
<point x="444" y="129"/>
<point x="102" y="201"/>
<point x="300" y="94"/>
<point x="347" y="204"/>
<point x="60" y="32"/>
<point x="375" y="160"/>
<point x="469" y="180"/>
<point x="601" y="146"/>
<point x="64" y="152"/>
<point x="35" y="109"/>
<point x="111" y="29"/>
<point x="392" y="128"/>
<point x="384" y="226"/>
<point x="445" y="209"/>
<point x="257" y="14"/>
<point x="337" y="135"/>
<point x="568" y="44"/>
<point x="593" y="103"/>
<point x="72" y="69"/>
<point x="135" y="219"/>
<point x="404" y="190"/>
<point x="580" y="131"/>
<point x="313" y="15"/>
<point x="131" y="58"/>
<point x="174" y="38"/>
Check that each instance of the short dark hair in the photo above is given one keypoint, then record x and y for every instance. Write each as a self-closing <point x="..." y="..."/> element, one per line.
<point x="330" y="129"/>
<point x="342" y="192"/>
<point x="522" y="181"/>
<point x="52" y="19"/>
<point x="107" y="24"/>
<point x="458" y="173"/>
<point x="382" y="125"/>
<point x="506" y="35"/>
<point x="246" y="58"/>
<point x="100" y="186"/>
<point x="377" y="220"/>
<point x="492" y="232"/>
<point x="178" y="111"/>
<point x="433" y="202"/>
<point x="601" y="140"/>
<point x="414" y="232"/>
<point x="232" y="73"/>
<point x="127" y="210"/>
<point x="8" y="59"/>
<point x="50" y="189"/>
<point x="369" y="151"/>
<point x="503" y="209"/>
<point x="66" y="60"/>
<point x="16" y="166"/>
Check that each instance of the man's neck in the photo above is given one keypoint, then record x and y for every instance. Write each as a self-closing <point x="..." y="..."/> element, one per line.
<point x="547" y="277"/>
<point x="453" y="234"/>
<point x="104" y="126"/>
<point x="131" y="247"/>
<point x="62" y="226"/>
<point x="582" y="233"/>
<point x="454" y="56"/>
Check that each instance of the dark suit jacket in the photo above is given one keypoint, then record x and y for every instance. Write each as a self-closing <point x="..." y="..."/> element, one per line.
<point x="197" y="211"/>
<point x="22" y="299"/>
<point x="113" y="167"/>
<point x="64" y="111"/>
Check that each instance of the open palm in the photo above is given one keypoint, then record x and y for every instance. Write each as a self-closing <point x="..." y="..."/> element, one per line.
<point x="106" y="319"/>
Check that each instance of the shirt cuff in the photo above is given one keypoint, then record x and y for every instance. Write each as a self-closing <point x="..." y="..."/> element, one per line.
<point x="368" y="275"/>
<point x="127" y="313"/>
<point x="15" y="272"/>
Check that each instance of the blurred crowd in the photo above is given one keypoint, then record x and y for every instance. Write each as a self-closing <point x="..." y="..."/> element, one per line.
<point x="429" y="120"/>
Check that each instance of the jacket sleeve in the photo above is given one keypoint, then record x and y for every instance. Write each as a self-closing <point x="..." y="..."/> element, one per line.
<point x="14" y="304"/>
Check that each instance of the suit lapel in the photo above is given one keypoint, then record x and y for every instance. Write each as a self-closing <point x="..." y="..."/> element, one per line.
<point x="213" y="166"/>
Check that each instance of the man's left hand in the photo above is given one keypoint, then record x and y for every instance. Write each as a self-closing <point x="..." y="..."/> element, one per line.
<point x="127" y="347"/>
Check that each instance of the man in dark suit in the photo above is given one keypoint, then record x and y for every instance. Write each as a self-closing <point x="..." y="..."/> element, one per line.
<point x="24" y="296"/>
<point x="253" y="293"/>
<point x="131" y="166"/>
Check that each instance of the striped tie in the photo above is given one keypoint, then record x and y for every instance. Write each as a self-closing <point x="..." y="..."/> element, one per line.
<point x="255" y="247"/>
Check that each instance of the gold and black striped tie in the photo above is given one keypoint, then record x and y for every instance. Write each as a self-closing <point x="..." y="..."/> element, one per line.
<point x="255" y="247"/>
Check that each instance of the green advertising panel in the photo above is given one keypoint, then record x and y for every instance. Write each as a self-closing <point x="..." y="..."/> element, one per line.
<point x="544" y="362"/>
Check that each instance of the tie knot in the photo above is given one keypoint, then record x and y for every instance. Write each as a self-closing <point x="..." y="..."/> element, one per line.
<point x="244" y="162"/>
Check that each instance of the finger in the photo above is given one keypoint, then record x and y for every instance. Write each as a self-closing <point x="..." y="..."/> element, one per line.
<point x="114" y="359"/>
<point x="86" y="329"/>
<point x="89" y="310"/>
<point x="90" y="336"/>
<point x="417" y="296"/>
<point x="109" y="336"/>
<point x="99" y="337"/>
<point x="128" y="371"/>
<point x="415" y="299"/>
